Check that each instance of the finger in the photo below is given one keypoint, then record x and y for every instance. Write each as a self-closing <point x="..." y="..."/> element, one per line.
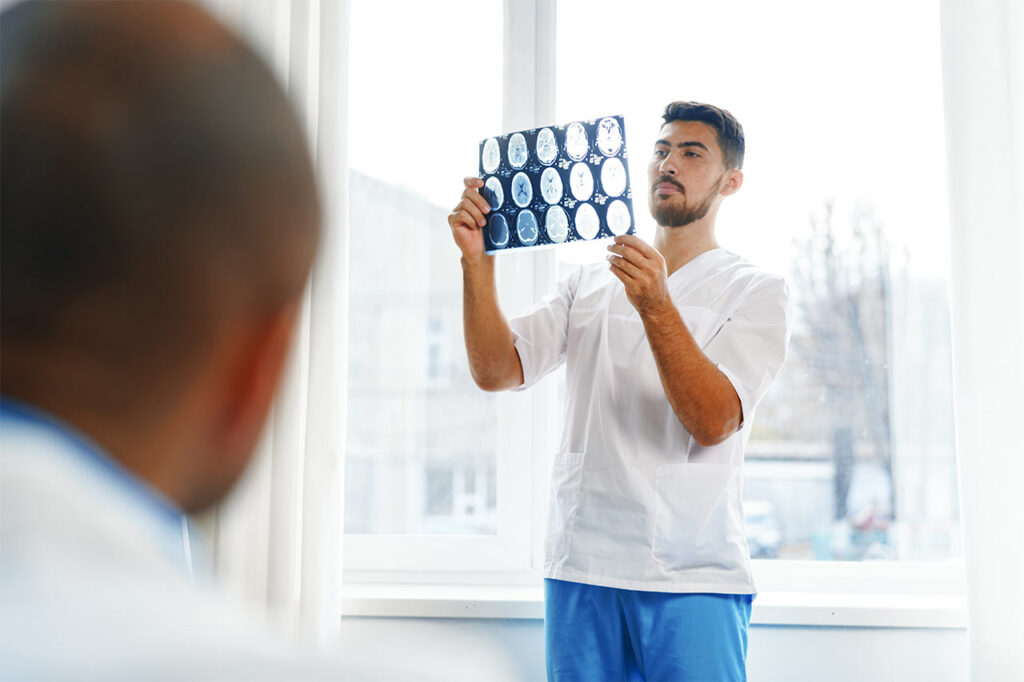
<point x="461" y="218"/>
<point x="618" y="272"/>
<point x="473" y="210"/>
<point x="477" y="199"/>
<point x="628" y="253"/>
<point x="639" y="244"/>
<point x="630" y="270"/>
<point x="624" y="249"/>
<point x="472" y="181"/>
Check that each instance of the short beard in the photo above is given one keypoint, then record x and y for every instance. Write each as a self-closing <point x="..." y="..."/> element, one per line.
<point x="681" y="216"/>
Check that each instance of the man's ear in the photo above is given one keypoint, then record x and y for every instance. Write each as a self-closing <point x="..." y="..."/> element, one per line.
<point x="253" y="376"/>
<point x="732" y="182"/>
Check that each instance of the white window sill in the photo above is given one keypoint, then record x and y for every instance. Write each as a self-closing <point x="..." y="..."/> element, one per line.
<point x="813" y="609"/>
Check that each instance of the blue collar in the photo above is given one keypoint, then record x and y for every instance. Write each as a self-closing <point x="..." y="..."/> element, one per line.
<point x="13" y="412"/>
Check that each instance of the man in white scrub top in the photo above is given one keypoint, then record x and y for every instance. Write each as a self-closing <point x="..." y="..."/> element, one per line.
<point x="668" y="349"/>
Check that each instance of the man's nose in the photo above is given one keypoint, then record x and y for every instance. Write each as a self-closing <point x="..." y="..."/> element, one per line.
<point x="667" y="166"/>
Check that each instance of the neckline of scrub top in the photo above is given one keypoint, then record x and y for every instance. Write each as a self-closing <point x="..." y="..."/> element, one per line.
<point x="92" y="454"/>
<point x="691" y="265"/>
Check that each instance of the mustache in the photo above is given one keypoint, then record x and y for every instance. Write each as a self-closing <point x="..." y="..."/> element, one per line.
<point x="668" y="180"/>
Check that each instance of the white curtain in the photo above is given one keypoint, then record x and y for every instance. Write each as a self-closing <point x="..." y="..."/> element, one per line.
<point x="277" y="539"/>
<point x="983" y="59"/>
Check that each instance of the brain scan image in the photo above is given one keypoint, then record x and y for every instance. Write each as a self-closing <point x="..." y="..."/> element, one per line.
<point x="576" y="142"/>
<point x="547" y="147"/>
<point x="497" y="231"/>
<point x="581" y="181"/>
<point x="522" y="190"/>
<point x="613" y="177"/>
<point x="587" y="222"/>
<point x="551" y="185"/>
<point x="497" y="196"/>
<point x="618" y="218"/>
<point x="526" y="228"/>
<point x="556" y="224"/>
<point x="491" y="156"/>
<point x="517" y="153"/>
<point x="557" y="184"/>
<point x="609" y="136"/>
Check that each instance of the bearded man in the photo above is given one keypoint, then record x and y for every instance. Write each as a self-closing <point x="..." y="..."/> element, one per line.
<point x="669" y="349"/>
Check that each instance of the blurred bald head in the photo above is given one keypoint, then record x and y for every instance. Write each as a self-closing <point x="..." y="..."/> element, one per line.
<point x="156" y="187"/>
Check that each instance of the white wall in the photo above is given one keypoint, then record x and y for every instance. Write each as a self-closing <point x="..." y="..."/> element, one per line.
<point x="474" y="650"/>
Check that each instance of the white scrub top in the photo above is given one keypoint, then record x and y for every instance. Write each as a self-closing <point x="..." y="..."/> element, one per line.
<point x="636" y="502"/>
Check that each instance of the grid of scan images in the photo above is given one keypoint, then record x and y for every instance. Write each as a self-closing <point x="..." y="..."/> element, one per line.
<point x="557" y="184"/>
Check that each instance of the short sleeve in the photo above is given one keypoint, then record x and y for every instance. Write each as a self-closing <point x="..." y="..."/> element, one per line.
<point x="541" y="335"/>
<point x="750" y="347"/>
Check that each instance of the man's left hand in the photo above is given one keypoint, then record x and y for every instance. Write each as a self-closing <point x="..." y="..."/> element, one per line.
<point x="641" y="268"/>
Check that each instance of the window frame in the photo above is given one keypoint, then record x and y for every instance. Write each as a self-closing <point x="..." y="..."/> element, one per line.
<point x="528" y="75"/>
<point x="513" y="556"/>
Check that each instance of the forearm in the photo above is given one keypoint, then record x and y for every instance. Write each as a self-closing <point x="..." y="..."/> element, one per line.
<point x="493" y="359"/>
<point x="702" y="397"/>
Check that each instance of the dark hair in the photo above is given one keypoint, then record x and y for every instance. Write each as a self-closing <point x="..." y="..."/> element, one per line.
<point x="156" y="182"/>
<point x="730" y="132"/>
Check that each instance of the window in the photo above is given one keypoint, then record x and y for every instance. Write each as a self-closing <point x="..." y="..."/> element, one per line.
<point x="426" y="449"/>
<point x="416" y="421"/>
<point x="852" y="454"/>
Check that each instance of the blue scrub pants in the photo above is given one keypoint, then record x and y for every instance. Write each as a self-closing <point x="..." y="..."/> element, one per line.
<point x="604" y="634"/>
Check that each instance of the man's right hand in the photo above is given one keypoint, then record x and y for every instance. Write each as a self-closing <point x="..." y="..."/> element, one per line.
<point x="490" y="345"/>
<point x="468" y="218"/>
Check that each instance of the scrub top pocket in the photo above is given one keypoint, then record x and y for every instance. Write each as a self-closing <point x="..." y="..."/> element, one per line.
<point x="696" y="516"/>
<point x="566" y="481"/>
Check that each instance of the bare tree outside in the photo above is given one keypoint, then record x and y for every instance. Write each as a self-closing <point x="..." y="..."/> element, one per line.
<point x="843" y="337"/>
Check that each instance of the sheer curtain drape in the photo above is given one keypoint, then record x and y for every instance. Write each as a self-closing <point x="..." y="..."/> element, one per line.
<point x="277" y="539"/>
<point x="983" y="55"/>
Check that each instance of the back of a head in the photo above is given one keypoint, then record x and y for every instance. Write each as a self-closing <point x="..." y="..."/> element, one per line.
<point x="156" y="184"/>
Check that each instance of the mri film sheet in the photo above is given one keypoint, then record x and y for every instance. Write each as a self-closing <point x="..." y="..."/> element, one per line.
<point x="557" y="184"/>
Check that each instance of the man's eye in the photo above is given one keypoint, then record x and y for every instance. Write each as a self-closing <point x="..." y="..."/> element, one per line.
<point x="659" y="152"/>
<point x="693" y="155"/>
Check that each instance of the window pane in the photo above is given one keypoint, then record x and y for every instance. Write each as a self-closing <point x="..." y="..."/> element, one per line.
<point x="439" y="492"/>
<point x="852" y="452"/>
<point x="417" y="425"/>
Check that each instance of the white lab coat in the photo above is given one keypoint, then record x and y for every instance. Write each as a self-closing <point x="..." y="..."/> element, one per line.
<point x="94" y="583"/>
<point x="636" y="502"/>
